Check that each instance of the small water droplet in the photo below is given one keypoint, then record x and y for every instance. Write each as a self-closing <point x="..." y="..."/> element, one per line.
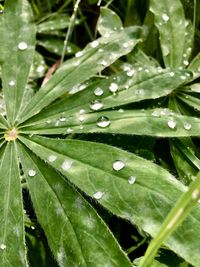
<point x="81" y="118"/>
<point x="113" y="87"/>
<point x="52" y="158"/>
<point x="103" y="122"/>
<point x="171" y="123"/>
<point x="165" y="17"/>
<point x="69" y="130"/>
<point x="94" y="44"/>
<point x="118" y="165"/>
<point x="66" y="165"/>
<point x="40" y="69"/>
<point x="22" y="46"/>
<point x="155" y="113"/>
<point x="82" y="111"/>
<point x="79" y="54"/>
<point x="183" y="77"/>
<point x="62" y="119"/>
<point x="98" y="195"/>
<point x="98" y="91"/>
<point x="125" y="45"/>
<point x="2" y="246"/>
<point x="187" y="126"/>
<point x="130" y="73"/>
<point x="131" y="179"/>
<point x="12" y="83"/>
<point x="31" y="173"/>
<point x="103" y="63"/>
<point x="107" y="35"/>
<point x="185" y="62"/>
<point x="172" y="74"/>
<point x="96" y="105"/>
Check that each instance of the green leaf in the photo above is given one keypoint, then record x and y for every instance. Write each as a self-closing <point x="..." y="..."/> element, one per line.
<point x="108" y="21"/>
<point x="12" y="242"/>
<point x="157" y="122"/>
<point x="79" y="235"/>
<point x="38" y="67"/>
<point x="139" y="191"/>
<point x="192" y="101"/>
<point x="133" y="85"/>
<point x="94" y="58"/>
<point x="195" y="66"/>
<point x="171" y="24"/>
<point x="16" y="53"/>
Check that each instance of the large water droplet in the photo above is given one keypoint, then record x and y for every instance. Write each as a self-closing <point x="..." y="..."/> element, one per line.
<point x="31" y="173"/>
<point x="52" y="158"/>
<point x="2" y="246"/>
<point x="165" y="17"/>
<point x="22" y="46"/>
<point x="187" y="126"/>
<point x="98" y="91"/>
<point x="113" y="87"/>
<point x="118" y="165"/>
<point x="131" y="179"/>
<point x="11" y="83"/>
<point x="96" y="105"/>
<point x="103" y="122"/>
<point x="98" y="195"/>
<point x="66" y="165"/>
<point x="171" y="123"/>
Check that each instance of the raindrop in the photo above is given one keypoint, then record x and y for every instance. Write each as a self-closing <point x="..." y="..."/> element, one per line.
<point x="62" y="119"/>
<point x="96" y="105"/>
<point x="171" y="123"/>
<point x="82" y="111"/>
<point x="130" y="73"/>
<point x="125" y="45"/>
<point x="118" y="165"/>
<point x="113" y="87"/>
<point x="22" y="46"/>
<point x="79" y="54"/>
<point x="40" y="69"/>
<point x="31" y="173"/>
<point x="98" y="195"/>
<point x="172" y="74"/>
<point x="94" y="44"/>
<point x="98" y="91"/>
<point x="187" y="126"/>
<point x="81" y="118"/>
<point x="185" y="62"/>
<point x="66" y="165"/>
<point x="52" y="158"/>
<point x="103" y="122"/>
<point x="155" y="113"/>
<point x="165" y="17"/>
<point x="1" y="11"/>
<point x="69" y="130"/>
<point x="140" y="69"/>
<point x="107" y="35"/>
<point x="2" y="246"/>
<point x="12" y="83"/>
<point x="183" y="77"/>
<point x="103" y="63"/>
<point x="131" y="179"/>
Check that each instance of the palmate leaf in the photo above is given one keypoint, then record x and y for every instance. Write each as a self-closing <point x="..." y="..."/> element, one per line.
<point x="195" y="66"/>
<point x="156" y="122"/>
<point x="128" y="186"/>
<point x="133" y="85"/>
<point x="16" y="53"/>
<point x="76" y="235"/>
<point x="174" y="31"/>
<point x="93" y="59"/>
<point x="12" y="242"/>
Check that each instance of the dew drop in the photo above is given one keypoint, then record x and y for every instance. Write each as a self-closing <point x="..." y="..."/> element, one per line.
<point x="172" y="74"/>
<point x="82" y="111"/>
<point x="62" y="119"/>
<point x="103" y="122"/>
<point x="187" y="126"/>
<point x="12" y="83"/>
<point x="131" y="179"/>
<point x="118" y="165"/>
<point x="165" y="17"/>
<point x="113" y="87"/>
<point x="155" y="113"/>
<point x="107" y="35"/>
<point x="40" y="69"/>
<point x="66" y="165"/>
<point x="125" y="45"/>
<point x="31" y="173"/>
<point x="98" y="91"/>
<point x="130" y="73"/>
<point x="185" y="62"/>
<point x="171" y="123"/>
<point x="103" y="63"/>
<point x="79" y="54"/>
<point x="96" y="105"/>
<point x="69" y="130"/>
<point x="52" y="158"/>
<point x="98" y="195"/>
<point x="2" y="246"/>
<point x="22" y="46"/>
<point x="94" y="44"/>
<point x="81" y="118"/>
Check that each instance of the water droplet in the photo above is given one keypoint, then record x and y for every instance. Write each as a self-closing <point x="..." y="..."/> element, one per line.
<point x="66" y="165"/>
<point x="155" y="113"/>
<point x="103" y="122"/>
<point x="107" y="35"/>
<point x="183" y="77"/>
<point x="98" y="91"/>
<point x="96" y="105"/>
<point x="94" y="44"/>
<point x="40" y="69"/>
<point x="22" y="46"/>
<point x="187" y="126"/>
<point x="165" y="17"/>
<point x="69" y="130"/>
<point x="98" y="195"/>
<point x="172" y="74"/>
<point x="125" y="45"/>
<point x="185" y="62"/>
<point x="131" y="179"/>
<point x="79" y="54"/>
<point x="171" y="123"/>
<point x="130" y="73"/>
<point x="52" y="158"/>
<point x="81" y="118"/>
<point x="2" y="246"/>
<point x="31" y="173"/>
<point x="62" y="119"/>
<point x="12" y="83"/>
<point x="118" y="165"/>
<point x="103" y="63"/>
<point x="82" y="111"/>
<point x="113" y="87"/>
<point x="140" y="69"/>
